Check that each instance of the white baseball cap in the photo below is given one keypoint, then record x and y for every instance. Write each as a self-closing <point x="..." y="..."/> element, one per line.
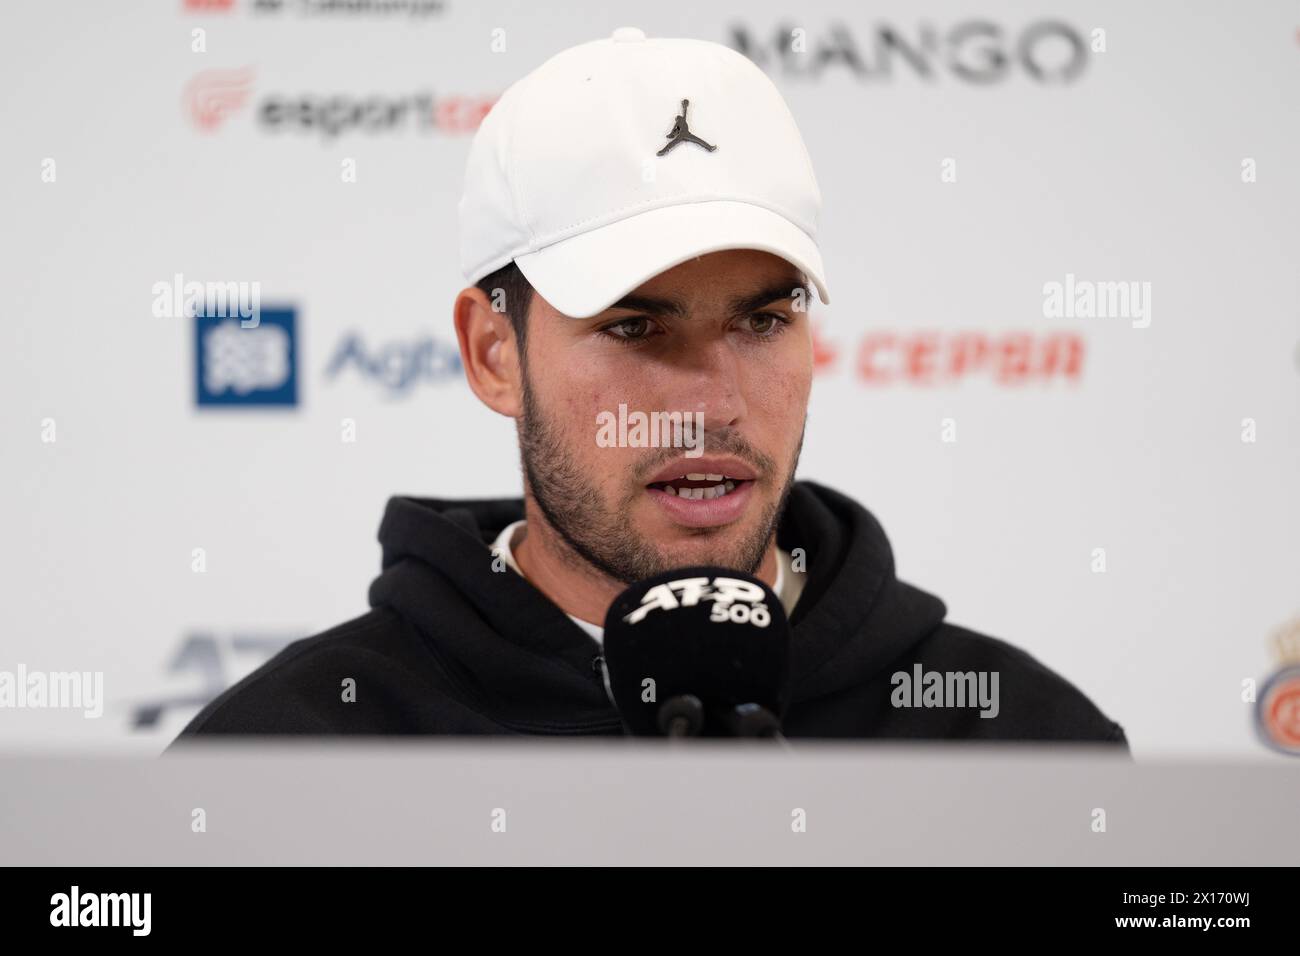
<point x="618" y="159"/>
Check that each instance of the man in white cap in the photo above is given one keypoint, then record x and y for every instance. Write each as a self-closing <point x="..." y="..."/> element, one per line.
<point x="639" y="231"/>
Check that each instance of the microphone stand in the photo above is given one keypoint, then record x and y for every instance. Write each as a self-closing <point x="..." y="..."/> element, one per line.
<point x="684" y="716"/>
<point x="749" y="720"/>
<point x="681" y="716"/>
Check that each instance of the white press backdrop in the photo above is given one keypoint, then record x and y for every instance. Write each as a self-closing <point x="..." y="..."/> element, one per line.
<point x="169" y="161"/>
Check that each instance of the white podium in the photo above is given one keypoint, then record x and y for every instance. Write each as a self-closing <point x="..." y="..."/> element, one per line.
<point x="625" y="802"/>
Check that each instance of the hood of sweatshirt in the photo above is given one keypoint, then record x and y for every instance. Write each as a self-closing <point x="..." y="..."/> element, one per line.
<point x="521" y="660"/>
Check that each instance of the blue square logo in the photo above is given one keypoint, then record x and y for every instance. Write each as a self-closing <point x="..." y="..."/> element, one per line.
<point x="255" y="365"/>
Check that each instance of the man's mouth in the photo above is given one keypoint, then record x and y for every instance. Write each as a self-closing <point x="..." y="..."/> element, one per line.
<point x="700" y="486"/>
<point x="703" y="492"/>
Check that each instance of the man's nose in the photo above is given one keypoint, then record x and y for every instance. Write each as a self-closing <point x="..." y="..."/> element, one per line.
<point x="709" y="382"/>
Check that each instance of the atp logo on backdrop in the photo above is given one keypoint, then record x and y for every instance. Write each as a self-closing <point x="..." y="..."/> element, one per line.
<point x="246" y="367"/>
<point x="207" y="663"/>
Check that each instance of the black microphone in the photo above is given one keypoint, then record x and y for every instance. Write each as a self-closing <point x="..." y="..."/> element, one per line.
<point x="699" y="652"/>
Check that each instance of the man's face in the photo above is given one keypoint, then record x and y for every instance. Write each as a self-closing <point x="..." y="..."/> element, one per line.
<point x="725" y="336"/>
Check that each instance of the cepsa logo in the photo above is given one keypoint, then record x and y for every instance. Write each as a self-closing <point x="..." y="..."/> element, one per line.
<point x="212" y="96"/>
<point x="970" y="51"/>
<point x="885" y="357"/>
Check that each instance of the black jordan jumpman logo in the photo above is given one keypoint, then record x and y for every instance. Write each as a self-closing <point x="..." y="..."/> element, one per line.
<point x="681" y="133"/>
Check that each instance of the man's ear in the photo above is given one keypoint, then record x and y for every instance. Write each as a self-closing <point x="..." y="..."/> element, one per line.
<point x="489" y="352"/>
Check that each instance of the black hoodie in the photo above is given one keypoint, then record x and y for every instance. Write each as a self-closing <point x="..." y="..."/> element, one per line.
<point x="452" y="646"/>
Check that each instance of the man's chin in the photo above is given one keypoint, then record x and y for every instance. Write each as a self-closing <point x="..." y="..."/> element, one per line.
<point x="683" y="545"/>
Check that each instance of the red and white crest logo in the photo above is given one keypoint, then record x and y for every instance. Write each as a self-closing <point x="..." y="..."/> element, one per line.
<point x="213" y="95"/>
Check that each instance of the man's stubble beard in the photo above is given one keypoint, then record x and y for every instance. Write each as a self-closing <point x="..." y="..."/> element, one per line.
<point x="602" y="537"/>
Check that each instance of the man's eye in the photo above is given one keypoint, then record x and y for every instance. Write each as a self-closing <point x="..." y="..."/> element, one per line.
<point x="767" y="324"/>
<point x="628" y="330"/>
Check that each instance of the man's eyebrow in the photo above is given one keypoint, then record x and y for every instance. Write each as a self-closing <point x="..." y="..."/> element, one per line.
<point x="651" y="305"/>
<point x="742" y="305"/>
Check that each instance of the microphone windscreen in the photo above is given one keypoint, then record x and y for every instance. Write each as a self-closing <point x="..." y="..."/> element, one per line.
<point x="717" y="634"/>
